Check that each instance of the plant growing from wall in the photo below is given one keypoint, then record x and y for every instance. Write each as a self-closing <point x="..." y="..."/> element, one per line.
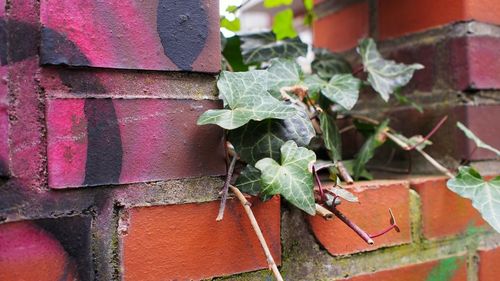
<point x="279" y="120"/>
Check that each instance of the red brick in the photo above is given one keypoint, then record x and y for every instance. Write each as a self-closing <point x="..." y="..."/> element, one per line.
<point x="450" y="269"/>
<point x="371" y="214"/>
<point x="117" y="34"/>
<point x="438" y="202"/>
<point x="484" y="66"/>
<point x="29" y="253"/>
<point x="341" y="30"/>
<point x="109" y="141"/>
<point x="184" y="242"/>
<point x="488" y="264"/>
<point x="400" y="17"/>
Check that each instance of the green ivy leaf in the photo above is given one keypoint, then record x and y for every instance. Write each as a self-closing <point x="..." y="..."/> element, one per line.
<point x="276" y="3"/>
<point x="249" y="180"/>
<point x="344" y="194"/>
<point x="477" y="141"/>
<point x="309" y="5"/>
<point x="283" y="73"/>
<point x="342" y="89"/>
<point x="232" y="53"/>
<point x="314" y="85"/>
<point x="232" y="25"/>
<point x="385" y="76"/>
<point x="232" y="9"/>
<point x="291" y="178"/>
<point x="485" y="195"/>
<point x="326" y="64"/>
<point x="246" y="96"/>
<point x="367" y="151"/>
<point x="262" y="47"/>
<point x="283" y="25"/>
<point x="331" y="136"/>
<point x="258" y="140"/>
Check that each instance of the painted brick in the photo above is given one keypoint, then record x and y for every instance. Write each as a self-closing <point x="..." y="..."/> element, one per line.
<point x="4" y="122"/>
<point x="400" y="17"/>
<point x="450" y="269"/>
<point x="47" y="249"/>
<point x="155" y="35"/>
<point x="488" y="264"/>
<point x="109" y="141"/>
<point x="438" y="202"/>
<point x="376" y="198"/>
<point x="343" y="29"/>
<point x="184" y="242"/>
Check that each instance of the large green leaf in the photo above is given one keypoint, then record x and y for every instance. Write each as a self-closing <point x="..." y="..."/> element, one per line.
<point x="283" y="25"/>
<point x="485" y="195"/>
<point x="249" y="180"/>
<point x="477" y="141"/>
<point x="283" y="73"/>
<point x="367" y="151"/>
<point x="385" y="76"/>
<point x="258" y="140"/>
<point x="331" y="136"/>
<point x="292" y="178"/>
<point x="246" y="96"/>
<point x="276" y="3"/>
<point x="232" y="53"/>
<point x="262" y="47"/>
<point x="342" y="89"/>
<point x="326" y="64"/>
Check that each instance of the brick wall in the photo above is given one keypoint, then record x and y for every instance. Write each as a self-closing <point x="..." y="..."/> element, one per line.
<point x="105" y="175"/>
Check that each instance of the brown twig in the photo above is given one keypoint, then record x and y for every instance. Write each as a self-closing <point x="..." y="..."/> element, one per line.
<point x="225" y="188"/>
<point x="324" y="212"/>
<point x="258" y="232"/>
<point x="344" y="174"/>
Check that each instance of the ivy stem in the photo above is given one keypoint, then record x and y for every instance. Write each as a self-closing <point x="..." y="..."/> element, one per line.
<point x="225" y="188"/>
<point x="344" y="174"/>
<point x="393" y="225"/>
<point x="434" y="130"/>
<point x="258" y="232"/>
<point x="360" y="232"/>
<point x="320" y="186"/>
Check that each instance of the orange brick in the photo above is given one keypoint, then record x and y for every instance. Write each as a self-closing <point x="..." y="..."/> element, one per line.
<point x="488" y="265"/>
<point x="399" y="17"/>
<point x="450" y="269"/>
<point x="443" y="212"/>
<point x="371" y="214"/>
<point x="341" y="31"/>
<point x="184" y="242"/>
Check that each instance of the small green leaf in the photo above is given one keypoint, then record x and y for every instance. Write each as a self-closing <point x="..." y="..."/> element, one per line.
<point x="292" y="178"/>
<point x="344" y="194"/>
<point x="485" y="195"/>
<point x="331" y="136"/>
<point x="232" y="25"/>
<point x="342" y="89"/>
<point x="246" y="96"/>
<point x="367" y="151"/>
<point x="477" y="141"/>
<point x="283" y="73"/>
<point x="249" y="180"/>
<point x="326" y="64"/>
<point x="309" y="4"/>
<point x="385" y="76"/>
<point x="258" y="140"/>
<point x="276" y="3"/>
<point x="283" y="25"/>
<point x="231" y="9"/>
<point x="262" y="47"/>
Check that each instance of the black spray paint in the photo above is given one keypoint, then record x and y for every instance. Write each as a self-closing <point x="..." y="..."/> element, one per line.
<point x="183" y="30"/>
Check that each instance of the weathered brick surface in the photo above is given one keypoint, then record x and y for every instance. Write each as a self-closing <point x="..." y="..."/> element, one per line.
<point x="371" y="214"/>
<point x="450" y="269"/>
<point x="488" y="264"/>
<point x="156" y="35"/>
<point x="109" y="141"/>
<point x="343" y="29"/>
<point x="438" y="203"/>
<point x="184" y="242"/>
<point x="49" y="249"/>
<point x="4" y="122"/>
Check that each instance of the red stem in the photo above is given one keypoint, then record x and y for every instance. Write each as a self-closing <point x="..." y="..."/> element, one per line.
<point x="383" y="231"/>
<point x="320" y="187"/>
<point x="434" y="130"/>
<point x="360" y="232"/>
